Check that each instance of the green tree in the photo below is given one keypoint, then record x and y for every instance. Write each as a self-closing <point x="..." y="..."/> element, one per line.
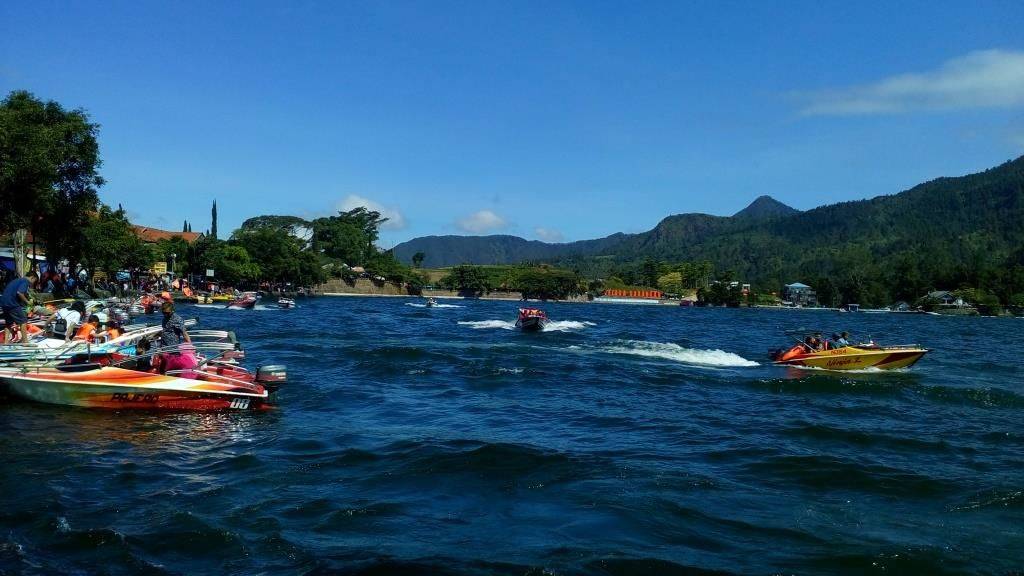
<point x="177" y="246"/>
<point x="467" y="278"/>
<point x="280" y="255"/>
<point x="232" y="264"/>
<point x="111" y="243"/>
<point x="417" y="259"/>
<point x="548" y="283"/>
<point x="213" y="221"/>
<point x="49" y="159"/>
<point x="671" y="283"/>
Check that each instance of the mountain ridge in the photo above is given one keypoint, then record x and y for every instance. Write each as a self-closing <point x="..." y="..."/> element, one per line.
<point x="943" y="233"/>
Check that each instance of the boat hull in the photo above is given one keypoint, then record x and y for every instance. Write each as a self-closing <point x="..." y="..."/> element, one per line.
<point x="853" y="358"/>
<point x="116" y="388"/>
<point x="532" y="324"/>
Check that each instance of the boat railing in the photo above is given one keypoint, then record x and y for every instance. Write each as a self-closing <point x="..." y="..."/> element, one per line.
<point x="213" y="375"/>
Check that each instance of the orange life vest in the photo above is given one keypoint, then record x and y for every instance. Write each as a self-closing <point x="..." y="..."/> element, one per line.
<point x="85" y="331"/>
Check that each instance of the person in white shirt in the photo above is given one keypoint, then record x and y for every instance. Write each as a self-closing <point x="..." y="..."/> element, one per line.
<point x="66" y="320"/>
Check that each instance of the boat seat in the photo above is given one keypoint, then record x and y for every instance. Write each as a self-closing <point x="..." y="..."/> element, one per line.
<point x="79" y="367"/>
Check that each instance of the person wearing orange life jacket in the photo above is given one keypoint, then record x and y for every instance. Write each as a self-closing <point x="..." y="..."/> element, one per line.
<point x="113" y="330"/>
<point x="86" y="332"/>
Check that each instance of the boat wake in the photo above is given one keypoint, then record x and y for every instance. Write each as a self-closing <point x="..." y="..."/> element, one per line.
<point x="489" y="324"/>
<point x="263" y="307"/>
<point x="553" y="326"/>
<point x="676" y="353"/>
<point x="434" y="306"/>
<point x="566" y="325"/>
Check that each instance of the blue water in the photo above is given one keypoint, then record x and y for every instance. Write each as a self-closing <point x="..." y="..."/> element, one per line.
<point x="635" y="440"/>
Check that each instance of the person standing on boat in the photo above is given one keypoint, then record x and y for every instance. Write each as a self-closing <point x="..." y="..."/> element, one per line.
<point x="14" y="301"/>
<point x="182" y="356"/>
<point x="174" y="327"/>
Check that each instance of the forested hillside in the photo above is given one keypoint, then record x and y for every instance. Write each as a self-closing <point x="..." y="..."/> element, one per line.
<point x="946" y="233"/>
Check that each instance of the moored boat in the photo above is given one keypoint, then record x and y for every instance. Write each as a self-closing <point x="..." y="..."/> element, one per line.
<point x="531" y="319"/>
<point x="94" y="386"/>
<point x="854" y="357"/>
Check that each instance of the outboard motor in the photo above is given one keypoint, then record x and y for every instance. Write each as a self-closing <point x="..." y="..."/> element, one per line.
<point x="271" y="376"/>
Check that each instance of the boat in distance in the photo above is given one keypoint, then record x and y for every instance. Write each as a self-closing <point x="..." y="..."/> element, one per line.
<point x="246" y="301"/>
<point x="531" y="319"/>
<point x="854" y="357"/>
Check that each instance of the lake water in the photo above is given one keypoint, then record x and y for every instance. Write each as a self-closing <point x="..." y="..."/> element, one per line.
<point x="631" y="440"/>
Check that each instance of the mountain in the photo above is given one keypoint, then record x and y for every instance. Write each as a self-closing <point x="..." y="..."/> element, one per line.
<point x="442" y="251"/>
<point x="765" y="207"/>
<point x="949" y="232"/>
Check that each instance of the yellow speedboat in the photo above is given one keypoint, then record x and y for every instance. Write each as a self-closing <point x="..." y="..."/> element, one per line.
<point x="856" y="357"/>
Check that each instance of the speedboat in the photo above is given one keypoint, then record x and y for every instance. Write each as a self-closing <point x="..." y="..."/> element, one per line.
<point x="854" y="357"/>
<point x="247" y="300"/>
<point x="531" y="319"/>
<point x="95" y="386"/>
<point x="46" y="350"/>
<point x="116" y="380"/>
<point x="285" y="302"/>
<point x="431" y="303"/>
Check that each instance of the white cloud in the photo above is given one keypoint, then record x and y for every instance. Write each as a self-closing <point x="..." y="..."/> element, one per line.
<point x="549" y="235"/>
<point x="395" y="219"/>
<point x="981" y="79"/>
<point x="481" y="222"/>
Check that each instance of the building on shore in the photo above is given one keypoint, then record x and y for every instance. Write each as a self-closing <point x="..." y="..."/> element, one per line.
<point x="799" y="294"/>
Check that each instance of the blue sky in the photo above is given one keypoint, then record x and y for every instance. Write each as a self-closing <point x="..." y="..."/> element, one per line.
<point x="549" y="120"/>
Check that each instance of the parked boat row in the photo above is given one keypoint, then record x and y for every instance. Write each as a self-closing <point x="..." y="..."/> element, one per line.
<point x="133" y="371"/>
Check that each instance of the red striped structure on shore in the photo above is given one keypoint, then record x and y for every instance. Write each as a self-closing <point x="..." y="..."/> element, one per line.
<point x="615" y="293"/>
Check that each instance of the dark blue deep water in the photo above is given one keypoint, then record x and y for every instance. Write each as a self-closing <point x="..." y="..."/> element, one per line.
<point x="637" y="440"/>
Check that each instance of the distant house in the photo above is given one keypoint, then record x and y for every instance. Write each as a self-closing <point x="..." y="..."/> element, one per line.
<point x="945" y="298"/>
<point x="800" y="295"/>
<point x="744" y="288"/>
<point x="154" y="235"/>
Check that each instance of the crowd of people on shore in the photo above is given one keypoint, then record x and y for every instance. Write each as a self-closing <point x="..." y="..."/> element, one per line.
<point x="79" y="284"/>
<point x="74" y="323"/>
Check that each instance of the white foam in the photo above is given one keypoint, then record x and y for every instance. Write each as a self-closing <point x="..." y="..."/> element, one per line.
<point x="566" y="325"/>
<point x="677" y="353"/>
<point x="434" y="306"/>
<point x="490" y="324"/>
<point x="552" y="326"/>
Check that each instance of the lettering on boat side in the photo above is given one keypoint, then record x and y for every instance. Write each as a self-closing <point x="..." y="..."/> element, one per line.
<point x="136" y="397"/>
<point x="240" y="403"/>
<point x="840" y="362"/>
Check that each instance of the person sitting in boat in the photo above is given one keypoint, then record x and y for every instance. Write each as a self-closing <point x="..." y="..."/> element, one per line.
<point x="113" y="330"/>
<point x="819" y="342"/>
<point x="66" y="320"/>
<point x="840" y="340"/>
<point x="87" y="332"/>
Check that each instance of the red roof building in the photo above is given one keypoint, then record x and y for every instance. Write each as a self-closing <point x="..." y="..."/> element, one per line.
<point x="154" y="235"/>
